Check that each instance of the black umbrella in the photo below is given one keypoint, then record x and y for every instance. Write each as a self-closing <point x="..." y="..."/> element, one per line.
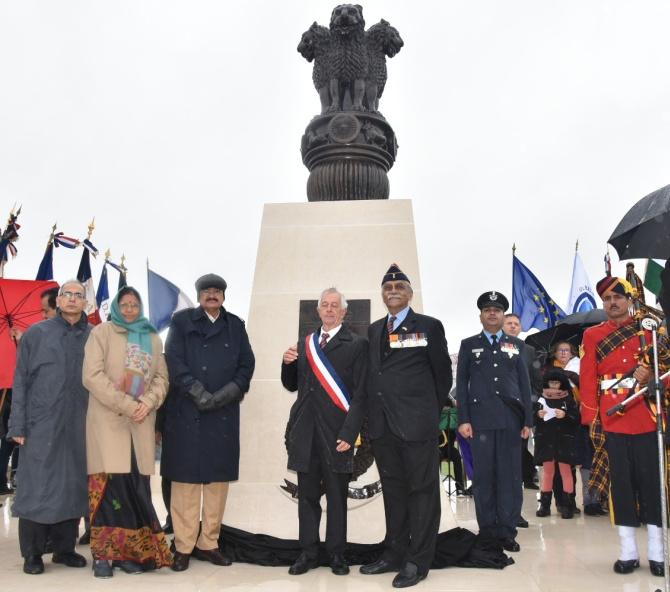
<point x="569" y="329"/>
<point x="644" y="232"/>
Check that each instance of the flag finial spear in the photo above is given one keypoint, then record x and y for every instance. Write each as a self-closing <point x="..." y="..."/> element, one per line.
<point x="577" y="245"/>
<point x="513" y="249"/>
<point x="108" y="254"/>
<point x="123" y="263"/>
<point x="91" y="228"/>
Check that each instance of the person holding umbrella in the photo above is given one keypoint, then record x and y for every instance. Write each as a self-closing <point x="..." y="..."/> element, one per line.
<point x="626" y="453"/>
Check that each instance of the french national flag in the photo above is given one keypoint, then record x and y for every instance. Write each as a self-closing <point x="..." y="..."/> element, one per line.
<point x="165" y="299"/>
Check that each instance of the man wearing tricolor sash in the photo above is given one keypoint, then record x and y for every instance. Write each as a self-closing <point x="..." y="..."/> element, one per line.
<point x="409" y="378"/>
<point x="328" y="370"/>
<point x="625" y="462"/>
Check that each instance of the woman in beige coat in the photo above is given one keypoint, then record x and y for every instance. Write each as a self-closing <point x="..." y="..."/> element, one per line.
<point x="127" y="379"/>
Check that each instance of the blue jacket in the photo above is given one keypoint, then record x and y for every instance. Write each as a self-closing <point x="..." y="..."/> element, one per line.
<point x="492" y="385"/>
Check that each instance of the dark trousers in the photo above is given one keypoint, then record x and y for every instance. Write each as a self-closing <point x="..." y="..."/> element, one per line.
<point x="497" y="486"/>
<point x="33" y="536"/>
<point x="635" y="489"/>
<point x="166" y="490"/>
<point x="309" y="505"/>
<point x="410" y="477"/>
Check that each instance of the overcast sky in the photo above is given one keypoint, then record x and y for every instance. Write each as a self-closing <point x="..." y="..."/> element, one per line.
<point x="173" y="122"/>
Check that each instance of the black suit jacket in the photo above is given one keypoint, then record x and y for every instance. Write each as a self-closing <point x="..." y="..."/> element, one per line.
<point x="493" y="389"/>
<point x="407" y="387"/>
<point x="314" y="415"/>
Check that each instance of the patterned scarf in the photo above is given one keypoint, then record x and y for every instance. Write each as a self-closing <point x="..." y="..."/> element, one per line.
<point x="138" y="349"/>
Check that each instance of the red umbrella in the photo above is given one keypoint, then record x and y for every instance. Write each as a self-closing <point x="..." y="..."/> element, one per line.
<point x="20" y="307"/>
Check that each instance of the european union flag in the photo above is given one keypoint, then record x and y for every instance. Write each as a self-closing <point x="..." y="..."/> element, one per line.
<point x="530" y="300"/>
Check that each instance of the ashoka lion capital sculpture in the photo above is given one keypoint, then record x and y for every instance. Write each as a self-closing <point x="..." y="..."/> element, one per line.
<point x="349" y="147"/>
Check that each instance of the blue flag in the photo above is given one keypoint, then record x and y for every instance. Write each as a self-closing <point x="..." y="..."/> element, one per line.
<point x="530" y="300"/>
<point x="164" y="300"/>
<point x="46" y="270"/>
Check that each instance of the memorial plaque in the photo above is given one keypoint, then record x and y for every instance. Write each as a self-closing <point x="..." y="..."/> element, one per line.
<point x="357" y="317"/>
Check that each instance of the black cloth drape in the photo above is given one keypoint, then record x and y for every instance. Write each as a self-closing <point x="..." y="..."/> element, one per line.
<point x="457" y="547"/>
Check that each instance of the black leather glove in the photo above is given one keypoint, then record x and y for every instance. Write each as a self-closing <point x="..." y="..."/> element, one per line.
<point x="199" y="395"/>
<point x="227" y="394"/>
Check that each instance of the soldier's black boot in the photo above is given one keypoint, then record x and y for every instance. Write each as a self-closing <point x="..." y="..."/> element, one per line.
<point x="544" y="509"/>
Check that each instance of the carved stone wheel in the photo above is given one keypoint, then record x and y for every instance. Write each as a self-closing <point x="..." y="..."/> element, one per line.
<point x="344" y="128"/>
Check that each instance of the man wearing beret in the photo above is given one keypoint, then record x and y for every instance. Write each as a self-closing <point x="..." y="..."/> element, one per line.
<point x="626" y="452"/>
<point x="210" y="364"/>
<point x="409" y="379"/>
<point x="494" y="409"/>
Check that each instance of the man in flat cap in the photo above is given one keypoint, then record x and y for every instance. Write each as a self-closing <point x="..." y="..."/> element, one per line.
<point x="613" y="363"/>
<point x="494" y="413"/>
<point x="210" y="364"/>
<point x="409" y="379"/>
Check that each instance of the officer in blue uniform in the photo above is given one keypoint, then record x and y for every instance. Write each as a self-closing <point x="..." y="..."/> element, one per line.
<point x="494" y="413"/>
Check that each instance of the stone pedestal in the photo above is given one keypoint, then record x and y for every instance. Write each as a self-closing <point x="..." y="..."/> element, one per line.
<point x="303" y="249"/>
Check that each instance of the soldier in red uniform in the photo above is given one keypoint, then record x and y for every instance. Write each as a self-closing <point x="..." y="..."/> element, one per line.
<point x="626" y="454"/>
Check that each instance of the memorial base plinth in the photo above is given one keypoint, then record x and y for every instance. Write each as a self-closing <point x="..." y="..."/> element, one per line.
<point x="303" y="249"/>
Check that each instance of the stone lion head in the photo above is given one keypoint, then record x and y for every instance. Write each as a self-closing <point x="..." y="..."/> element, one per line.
<point x="347" y="18"/>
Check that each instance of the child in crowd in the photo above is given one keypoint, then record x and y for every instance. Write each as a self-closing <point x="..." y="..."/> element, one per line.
<point x="556" y="425"/>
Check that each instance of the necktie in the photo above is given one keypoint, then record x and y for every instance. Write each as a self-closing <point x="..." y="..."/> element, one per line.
<point x="389" y="324"/>
<point x="494" y="340"/>
<point x="324" y="340"/>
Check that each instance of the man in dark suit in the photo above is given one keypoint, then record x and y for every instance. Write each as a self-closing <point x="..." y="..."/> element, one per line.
<point x="494" y="408"/>
<point x="328" y="370"/>
<point x="409" y="379"/>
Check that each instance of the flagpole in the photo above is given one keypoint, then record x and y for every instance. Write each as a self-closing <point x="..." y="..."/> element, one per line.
<point x="513" y="255"/>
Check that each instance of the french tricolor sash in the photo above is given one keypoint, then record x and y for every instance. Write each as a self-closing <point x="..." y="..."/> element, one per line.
<point x="325" y="373"/>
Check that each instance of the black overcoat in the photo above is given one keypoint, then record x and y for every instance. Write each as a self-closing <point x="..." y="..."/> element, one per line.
<point x="407" y="387"/>
<point x="314" y="415"/>
<point x="556" y="439"/>
<point x="204" y="446"/>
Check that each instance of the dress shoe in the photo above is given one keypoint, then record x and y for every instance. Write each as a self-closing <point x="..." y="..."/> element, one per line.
<point x="626" y="567"/>
<point x="656" y="568"/>
<point x="510" y="545"/>
<point x="33" y="565"/>
<point x="379" y="567"/>
<point x="6" y="489"/>
<point x="85" y="539"/>
<point x="530" y="485"/>
<point x="102" y="569"/>
<point x="167" y="527"/>
<point x="303" y="564"/>
<point x="129" y="567"/>
<point x="212" y="555"/>
<point x="408" y="576"/>
<point x="522" y="523"/>
<point x="338" y="565"/>
<point x="180" y="561"/>
<point x="71" y="559"/>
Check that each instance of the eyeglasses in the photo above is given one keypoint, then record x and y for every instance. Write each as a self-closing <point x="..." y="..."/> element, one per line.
<point x="564" y="351"/>
<point x="72" y="295"/>
<point x="212" y="291"/>
<point x="129" y="305"/>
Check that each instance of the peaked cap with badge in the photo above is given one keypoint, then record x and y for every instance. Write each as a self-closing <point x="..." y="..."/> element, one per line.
<point x="488" y="299"/>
